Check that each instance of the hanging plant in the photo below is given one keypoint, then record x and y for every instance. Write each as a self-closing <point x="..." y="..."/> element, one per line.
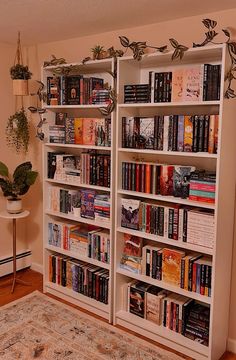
<point x="20" y="73"/>
<point x="17" y="131"/>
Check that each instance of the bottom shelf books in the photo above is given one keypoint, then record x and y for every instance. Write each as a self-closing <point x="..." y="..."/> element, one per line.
<point x="175" y="312"/>
<point x="81" y="277"/>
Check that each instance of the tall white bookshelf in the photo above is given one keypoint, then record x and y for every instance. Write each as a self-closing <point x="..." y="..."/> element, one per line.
<point x="98" y="69"/>
<point x="131" y="71"/>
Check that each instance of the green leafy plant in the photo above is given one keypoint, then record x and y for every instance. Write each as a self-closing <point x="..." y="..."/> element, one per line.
<point x="20" y="72"/>
<point x="98" y="52"/>
<point x="17" y="131"/>
<point x="20" y="182"/>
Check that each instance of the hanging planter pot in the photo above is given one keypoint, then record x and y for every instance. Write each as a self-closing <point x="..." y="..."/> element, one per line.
<point x="20" y="73"/>
<point x="20" y="87"/>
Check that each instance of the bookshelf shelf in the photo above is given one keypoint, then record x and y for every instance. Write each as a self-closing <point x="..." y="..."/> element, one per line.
<point x="76" y="255"/>
<point x="133" y="78"/>
<point x="78" y="299"/>
<point x="86" y="186"/>
<point x="162" y="240"/>
<point x="164" y="285"/>
<point x="78" y="232"/>
<point x="162" y="335"/>
<point x="170" y="199"/>
<point x="168" y="153"/>
<point x="80" y="219"/>
<point x="75" y="146"/>
<point x="187" y="104"/>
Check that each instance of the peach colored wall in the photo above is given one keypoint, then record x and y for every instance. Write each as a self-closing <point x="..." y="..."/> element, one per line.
<point x="8" y="156"/>
<point x="186" y="31"/>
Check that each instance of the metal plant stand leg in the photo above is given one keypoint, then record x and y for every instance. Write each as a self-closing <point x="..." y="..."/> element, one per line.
<point x="15" y="280"/>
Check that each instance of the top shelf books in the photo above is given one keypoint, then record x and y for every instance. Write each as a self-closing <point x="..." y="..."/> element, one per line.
<point x="158" y="79"/>
<point x="78" y="84"/>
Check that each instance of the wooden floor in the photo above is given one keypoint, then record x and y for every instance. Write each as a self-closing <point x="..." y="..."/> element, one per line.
<point x="36" y="281"/>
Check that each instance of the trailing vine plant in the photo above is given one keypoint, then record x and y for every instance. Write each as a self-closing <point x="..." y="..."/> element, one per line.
<point x="17" y="131"/>
<point x="138" y="48"/>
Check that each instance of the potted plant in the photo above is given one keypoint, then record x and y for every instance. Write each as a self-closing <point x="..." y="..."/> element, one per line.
<point x="16" y="185"/>
<point x="17" y="131"/>
<point x="20" y="74"/>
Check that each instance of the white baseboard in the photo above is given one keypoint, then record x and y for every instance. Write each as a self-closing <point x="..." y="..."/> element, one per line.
<point x="23" y="260"/>
<point x="231" y="345"/>
<point x="37" y="267"/>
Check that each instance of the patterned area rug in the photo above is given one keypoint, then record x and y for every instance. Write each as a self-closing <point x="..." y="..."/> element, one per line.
<point x="38" y="327"/>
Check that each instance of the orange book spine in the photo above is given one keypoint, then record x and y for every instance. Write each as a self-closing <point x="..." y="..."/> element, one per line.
<point x="148" y="179"/>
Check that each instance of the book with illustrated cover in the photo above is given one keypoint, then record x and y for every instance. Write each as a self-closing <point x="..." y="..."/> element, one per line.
<point x="166" y="180"/>
<point x="78" y="128"/>
<point x="137" y="298"/>
<point x="100" y="132"/>
<point x="87" y="204"/>
<point x="188" y="133"/>
<point x="153" y="311"/>
<point x="171" y="266"/>
<point x="181" y="180"/>
<point x="60" y="118"/>
<point x="70" y="131"/>
<point x="130" y="213"/>
<point x="177" y="85"/>
<point x="193" y="83"/>
<point x="132" y="254"/>
<point x="146" y="133"/>
<point x="89" y="131"/>
<point x="55" y="234"/>
<point x="132" y="245"/>
<point x="72" y="90"/>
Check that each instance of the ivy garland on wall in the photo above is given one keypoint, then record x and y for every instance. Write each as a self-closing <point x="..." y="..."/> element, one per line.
<point x="138" y="49"/>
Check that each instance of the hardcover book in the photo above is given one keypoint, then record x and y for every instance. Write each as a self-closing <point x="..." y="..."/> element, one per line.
<point x="181" y="180"/>
<point x="146" y="133"/>
<point x="89" y="131"/>
<point x="87" y="204"/>
<point x="137" y="298"/>
<point x="177" y="85"/>
<point x="78" y="127"/>
<point x="73" y="89"/>
<point x="166" y="180"/>
<point x="60" y="118"/>
<point x="193" y="83"/>
<point x="171" y="266"/>
<point x="130" y="213"/>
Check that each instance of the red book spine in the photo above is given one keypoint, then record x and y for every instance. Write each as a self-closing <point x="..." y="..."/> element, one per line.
<point x="148" y="179"/>
<point x="194" y="277"/>
<point x="148" y="214"/>
<point x="137" y="177"/>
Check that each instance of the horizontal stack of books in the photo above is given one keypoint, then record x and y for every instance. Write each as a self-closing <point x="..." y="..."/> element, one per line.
<point x="136" y="93"/>
<point x="202" y="186"/>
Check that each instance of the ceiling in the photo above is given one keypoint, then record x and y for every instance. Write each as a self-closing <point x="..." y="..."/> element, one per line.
<point x="51" y="20"/>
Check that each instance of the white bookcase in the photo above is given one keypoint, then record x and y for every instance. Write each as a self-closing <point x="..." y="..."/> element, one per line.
<point x="131" y="71"/>
<point x="99" y="69"/>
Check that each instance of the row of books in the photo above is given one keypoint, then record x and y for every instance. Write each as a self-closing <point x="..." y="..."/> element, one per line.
<point x="76" y="90"/>
<point x="81" y="277"/>
<point x="82" y="203"/>
<point x="90" y="168"/>
<point x="168" y="180"/>
<point x="174" y="312"/>
<point x="81" y="131"/>
<point x="86" y="240"/>
<point x="188" y="133"/>
<point x="171" y="221"/>
<point x="191" y="272"/>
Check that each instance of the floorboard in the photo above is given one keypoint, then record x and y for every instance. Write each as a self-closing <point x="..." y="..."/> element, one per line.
<point x="36" y="281"/>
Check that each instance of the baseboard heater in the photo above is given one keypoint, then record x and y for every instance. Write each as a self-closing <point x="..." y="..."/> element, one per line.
<point x="23" y="260"/>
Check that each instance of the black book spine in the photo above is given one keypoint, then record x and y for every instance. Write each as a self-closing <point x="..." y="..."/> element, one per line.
<point x="195" y="133"/>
